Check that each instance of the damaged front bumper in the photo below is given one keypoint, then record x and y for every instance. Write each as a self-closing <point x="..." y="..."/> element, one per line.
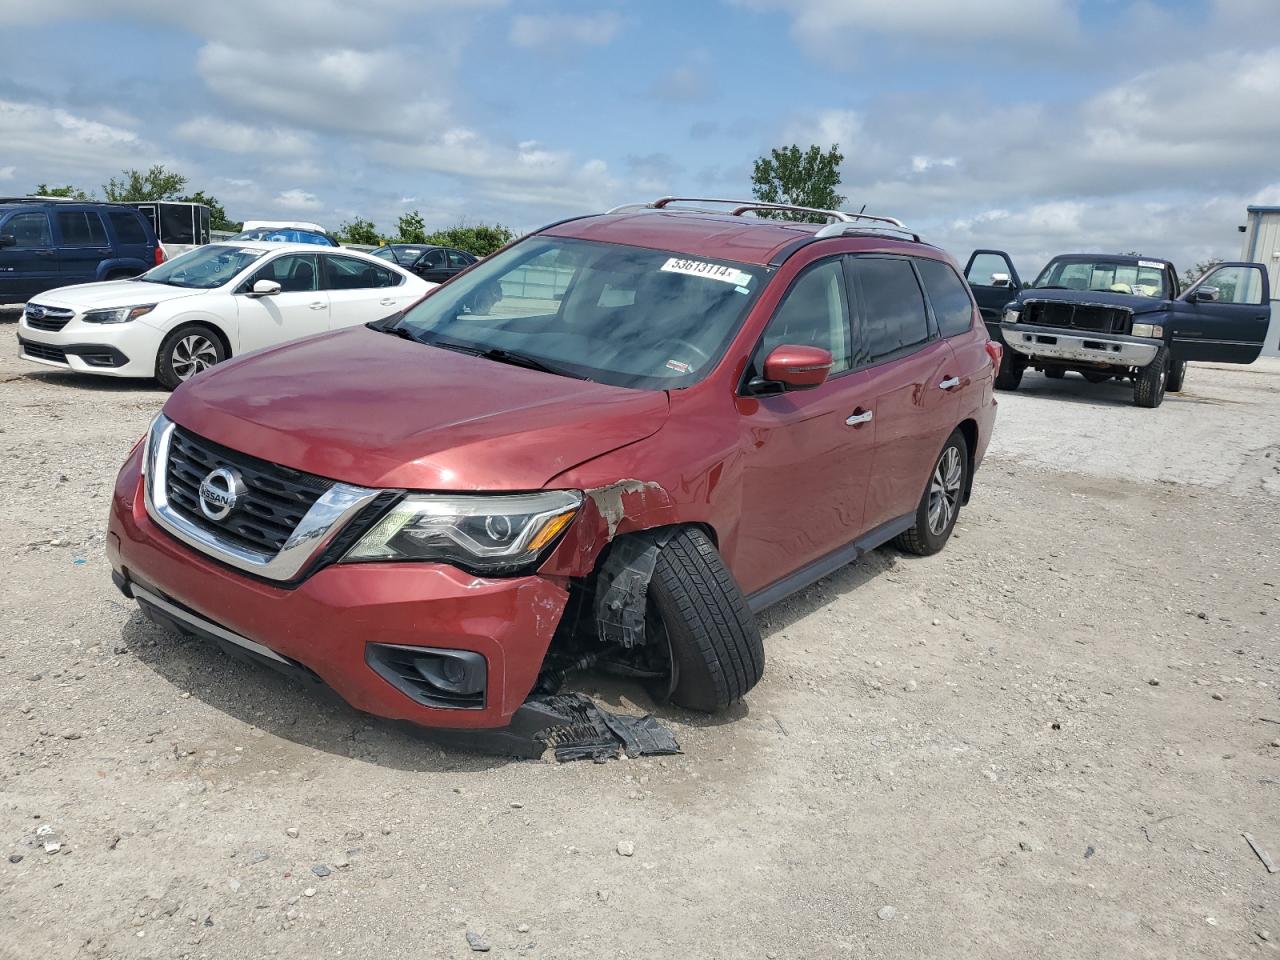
<point x="1060" y="345"/>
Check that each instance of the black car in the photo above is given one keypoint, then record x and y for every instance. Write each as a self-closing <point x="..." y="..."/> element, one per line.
<point x="428" y="261"/>
<point x="47" y="242"/>
<point x="1119" y="316"/>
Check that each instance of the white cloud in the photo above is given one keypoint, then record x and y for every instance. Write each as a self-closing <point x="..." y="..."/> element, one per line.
<point x="232" y="137"/>
<point x="50" y="144"/>
<point x="7" y="173"/>
<point x="922" y="164"/>
<point x="297" y="200"/>
<point x="535" y="30"/>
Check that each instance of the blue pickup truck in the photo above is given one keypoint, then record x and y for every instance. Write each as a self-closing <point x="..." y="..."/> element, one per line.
<point x="48" y="242"/>
<point x="1119" y="316"/>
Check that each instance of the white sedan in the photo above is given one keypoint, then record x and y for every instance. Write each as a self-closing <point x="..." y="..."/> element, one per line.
<point x="216" y="301"/>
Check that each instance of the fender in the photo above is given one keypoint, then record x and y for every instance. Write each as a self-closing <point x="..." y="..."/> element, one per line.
<point x="132" y="264"/>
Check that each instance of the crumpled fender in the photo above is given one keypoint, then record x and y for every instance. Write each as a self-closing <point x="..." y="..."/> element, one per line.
<point x="620" y="507"/>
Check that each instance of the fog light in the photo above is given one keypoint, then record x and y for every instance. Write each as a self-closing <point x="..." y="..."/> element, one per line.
<point x="432" y="676"/>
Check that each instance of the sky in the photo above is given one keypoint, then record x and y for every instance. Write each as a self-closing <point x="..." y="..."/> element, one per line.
<point x="1036" y="126"/>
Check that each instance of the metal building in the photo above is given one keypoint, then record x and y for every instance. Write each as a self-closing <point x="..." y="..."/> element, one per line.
<point x="1262" y="245"/>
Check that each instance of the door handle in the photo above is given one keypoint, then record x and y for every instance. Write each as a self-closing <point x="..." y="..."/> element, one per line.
<point x="317" y="306"/>
<point x="43" y="253"/>
<point x="950" y="383"/>
<point x="859" y="417"/>
<point x="387" y="301"/>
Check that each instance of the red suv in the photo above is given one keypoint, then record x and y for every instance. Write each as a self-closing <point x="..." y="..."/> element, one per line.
<point x="606" y="445"/>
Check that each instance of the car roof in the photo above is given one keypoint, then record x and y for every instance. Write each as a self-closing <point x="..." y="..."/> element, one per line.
<point x="273" y="246"/>
<point x="703" y="234"/>
<point x="1108" y="258"/>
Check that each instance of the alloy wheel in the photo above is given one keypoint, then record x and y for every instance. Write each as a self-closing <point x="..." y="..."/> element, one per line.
<point x="944" y="491"/>
<point x="192" y="354"/>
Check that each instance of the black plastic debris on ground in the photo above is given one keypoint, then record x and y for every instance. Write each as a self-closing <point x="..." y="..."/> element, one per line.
<point x="589" y="732"/>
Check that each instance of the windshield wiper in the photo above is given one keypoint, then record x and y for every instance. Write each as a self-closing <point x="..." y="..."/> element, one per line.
<point x="525" y="360"/>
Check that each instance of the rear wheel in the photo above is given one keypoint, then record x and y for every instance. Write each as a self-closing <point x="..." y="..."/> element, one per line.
<point x="1152" y="380"/>
<point x="940" y="506"/>
<point x="1177" y="376"/>
<point x="1010" y="373"/>
<point x="186" y="352"/>
<point x="716" y="651"/>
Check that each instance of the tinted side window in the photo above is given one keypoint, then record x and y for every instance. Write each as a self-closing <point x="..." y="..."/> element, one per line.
<point x="97" y="232"/>
<point x="29" y="229"/>
<point x="813" y="313"/>
<point x="432" y="260"/>
<point x="127" y="226"/>
<point x="948" y="296"/>
<point x="294" y="272"/>
<point x="457" y="259"/>
<point x="893" y="317"/>
<point x="74" y="227"/>
<point x="349" y="273"/>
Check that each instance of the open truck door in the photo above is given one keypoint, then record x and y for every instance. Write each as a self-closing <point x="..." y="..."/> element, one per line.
<point x="994" y="281"/>
<point x="1222" y="317"/>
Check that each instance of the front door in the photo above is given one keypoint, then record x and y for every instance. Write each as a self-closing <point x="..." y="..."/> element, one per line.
<point x="29" y="265"/>
<point x="913" y="375"/>
<point x="994" y="282"/>
<point x="808" y="452"/>
<point x="433" y="265"/>
<point x="300" y="309"/>
<point x="1223" y="317"/>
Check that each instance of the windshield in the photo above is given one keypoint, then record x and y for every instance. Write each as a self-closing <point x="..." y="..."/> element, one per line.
<point x="285" y="235"/>
<point x="203" y="268"/>
<point x="615" y="314"/>
<point x="1141" y="278"/>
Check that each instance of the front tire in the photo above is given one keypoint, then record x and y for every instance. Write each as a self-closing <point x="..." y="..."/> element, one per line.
<point x="1177" y="376"/>
<point x="1152" y="380"/>
<point x="1010" y="373"/>
<point x="717" y="654"/>
<point x="940" y="505"/>
<point x="186" y="352"/>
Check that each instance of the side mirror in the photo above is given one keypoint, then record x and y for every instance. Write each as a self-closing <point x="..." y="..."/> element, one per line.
<point x="264" y="288"/>
<point x="1207" y="294"/>
<point x="8" y="240"/>
<point x="798" y="367"/>
<point x="1001" y="280"/>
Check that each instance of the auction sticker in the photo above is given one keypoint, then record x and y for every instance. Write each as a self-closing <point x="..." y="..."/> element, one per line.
<point x="1154" y="264"/>
<point x="712" y="271"/>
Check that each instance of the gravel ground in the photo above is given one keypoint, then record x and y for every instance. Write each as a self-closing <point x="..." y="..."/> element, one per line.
<point x="1044" y="742"/>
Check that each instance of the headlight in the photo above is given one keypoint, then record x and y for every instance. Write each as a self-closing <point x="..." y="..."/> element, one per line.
<point x="118" y="314"/>
<point x="482" y="533"/>
<point x="1148" y="330"/>
<point x="156" y="426"/>
<point x="1011" y="314"/>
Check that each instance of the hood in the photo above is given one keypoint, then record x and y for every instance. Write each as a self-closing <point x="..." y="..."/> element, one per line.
<point x="112" y="293"/>
<point x="1103" y="297"/>
<point x="374" y="410"/>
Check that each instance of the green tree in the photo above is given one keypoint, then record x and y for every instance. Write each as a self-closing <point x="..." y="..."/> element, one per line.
<point x="804" y="178"/>
<point x="75" y="193"/>
<point x="360" y="231"/>
<point x="480" y="239"/>
<point x="218" y="219"/>
<point x="412" y="228"/>
<point x="1199" y="270"/>
<point x="155" y="184"/>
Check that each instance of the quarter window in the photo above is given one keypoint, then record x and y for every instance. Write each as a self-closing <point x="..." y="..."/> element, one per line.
<point x="814" y="313"/>
<point x="458" y="260"/>
<point x="948" y="297"/>
<point x="1237" y="284"/>
<point x="128" y="227"/>
<point x="29" y="229"/>
<point x="893" y="317"/>
<point x="350" y="273"/>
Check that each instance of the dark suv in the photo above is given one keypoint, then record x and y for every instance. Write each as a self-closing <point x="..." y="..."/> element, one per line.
<point x="47" y="243"/>
<point x="609" y="443"/>
<point x="1119" y="317"/>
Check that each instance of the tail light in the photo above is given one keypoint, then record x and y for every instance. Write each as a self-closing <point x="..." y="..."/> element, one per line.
<point x="996" y="352"/>
<point x="160" y="257"/>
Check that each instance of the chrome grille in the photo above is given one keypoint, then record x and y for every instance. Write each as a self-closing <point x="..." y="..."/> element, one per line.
<point x="53" y="319"/>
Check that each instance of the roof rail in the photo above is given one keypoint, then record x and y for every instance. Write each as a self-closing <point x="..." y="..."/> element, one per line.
<point x="841" y="223"/>
<point x="40" y="199"/>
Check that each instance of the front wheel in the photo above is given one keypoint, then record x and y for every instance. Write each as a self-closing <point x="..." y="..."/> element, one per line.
<point x="1177" y="376"/>
<point x="940" y="506"/>
<point x="1010" y="373"/>
<point x="186" y="352"/>
<point x="1152" y="380"/>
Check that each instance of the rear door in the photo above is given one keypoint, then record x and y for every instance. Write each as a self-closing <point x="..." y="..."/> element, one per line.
<point x="30" y="264"/>
<point x="360" y="291"/>
<point x="912" y="374"/>
<point x="82" y="244"/>
<point x="993" y="280"/>
<point x="807" y="453"/>
<point x="131" y="240"/>
<point x="1223" y="317"/>
<point x="300" y="309"/>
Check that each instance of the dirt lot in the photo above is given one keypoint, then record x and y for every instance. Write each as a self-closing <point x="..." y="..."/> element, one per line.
<point x="1043" y="742"/>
